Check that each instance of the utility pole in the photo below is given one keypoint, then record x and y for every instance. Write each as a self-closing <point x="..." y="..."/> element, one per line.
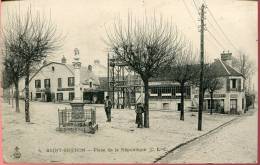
<point x="108" y="79"/>
<point x="201" y="99"/>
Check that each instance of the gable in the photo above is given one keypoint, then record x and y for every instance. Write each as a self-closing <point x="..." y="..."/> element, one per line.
<point x="53" y="70"/>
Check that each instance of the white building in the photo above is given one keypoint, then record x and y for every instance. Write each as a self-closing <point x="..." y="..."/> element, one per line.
<point x="54" y="81"/>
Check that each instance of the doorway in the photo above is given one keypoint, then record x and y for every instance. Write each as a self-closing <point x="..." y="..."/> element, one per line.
<point x="233" y="106"/>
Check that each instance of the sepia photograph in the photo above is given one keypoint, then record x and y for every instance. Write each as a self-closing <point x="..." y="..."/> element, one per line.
<point x="129" y="81"/>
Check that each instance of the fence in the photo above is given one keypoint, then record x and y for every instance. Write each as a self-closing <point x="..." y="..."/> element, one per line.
<point x="77" y="120"/>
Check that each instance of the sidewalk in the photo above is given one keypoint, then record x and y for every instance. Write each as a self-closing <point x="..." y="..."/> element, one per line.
<point x="118" y="141"/>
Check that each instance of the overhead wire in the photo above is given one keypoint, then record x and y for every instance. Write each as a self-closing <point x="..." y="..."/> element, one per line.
<point x="220" y="28"/>
<point x="211" y="34"/>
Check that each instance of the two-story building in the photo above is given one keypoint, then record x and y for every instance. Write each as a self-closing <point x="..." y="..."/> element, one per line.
<point x="165" y="94"/>
<point x="231" y="97"/>
<point x="54" y="81"/>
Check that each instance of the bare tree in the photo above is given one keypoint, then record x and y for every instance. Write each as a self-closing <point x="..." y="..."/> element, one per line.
<point x="145" y="46"/>
<point x="244" y="65"/>
<point x="13" y="72"/>
<point x="183" y="71"/>
<point x="212" y="83"/>
<point x="30" y="38"/>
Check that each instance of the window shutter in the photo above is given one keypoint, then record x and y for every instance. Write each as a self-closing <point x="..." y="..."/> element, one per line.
<point x="228" y="84"/>
<point x="239" y="85"/>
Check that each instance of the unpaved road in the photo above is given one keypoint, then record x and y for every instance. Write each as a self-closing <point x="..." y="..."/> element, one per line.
<point x="234" y="143"/>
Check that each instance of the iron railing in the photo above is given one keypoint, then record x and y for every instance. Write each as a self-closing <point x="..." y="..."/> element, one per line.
<point x="70" y="120"/>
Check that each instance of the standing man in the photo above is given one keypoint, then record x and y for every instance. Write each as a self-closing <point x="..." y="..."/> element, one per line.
<point x="139" y="115"/>
<point x="108" y="106"/>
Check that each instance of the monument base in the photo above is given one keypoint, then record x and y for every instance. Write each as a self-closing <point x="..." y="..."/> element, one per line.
<point x="77" y="114"/>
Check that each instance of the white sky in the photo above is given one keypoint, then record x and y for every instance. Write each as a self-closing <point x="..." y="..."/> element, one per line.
<point x="83" y="22"/>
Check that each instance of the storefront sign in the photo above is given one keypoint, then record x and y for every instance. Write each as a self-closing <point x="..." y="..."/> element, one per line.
<point x="214" y="96"/>
<point x="233" y="95"/>
<point x="65" y="89"/>
<point x="166" y="94"/>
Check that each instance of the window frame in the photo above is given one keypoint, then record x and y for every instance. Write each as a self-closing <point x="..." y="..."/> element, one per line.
<point x="233" y="83"/>
<point x="45" y="84"/>
<point x="71" y="83"/>
<point x="59" y="82"/>
<point x="36" y="84"/>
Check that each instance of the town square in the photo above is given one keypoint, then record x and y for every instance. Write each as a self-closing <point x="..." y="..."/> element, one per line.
<point x="120" y="81"/>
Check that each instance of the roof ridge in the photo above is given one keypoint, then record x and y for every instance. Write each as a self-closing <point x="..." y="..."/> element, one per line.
<point x="235" y="69"/>
<point x="224" y="66"/>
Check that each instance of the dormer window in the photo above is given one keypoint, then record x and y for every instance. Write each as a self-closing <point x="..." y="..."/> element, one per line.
<point x="90" y="84"/>
<point x="53" y="69"/>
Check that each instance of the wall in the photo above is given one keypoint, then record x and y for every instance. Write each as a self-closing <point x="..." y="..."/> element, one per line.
<point x="60" y="71"/>
<point x="160" y="104"/>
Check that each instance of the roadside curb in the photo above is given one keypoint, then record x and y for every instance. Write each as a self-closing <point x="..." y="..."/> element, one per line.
<point x="193" y="139"/>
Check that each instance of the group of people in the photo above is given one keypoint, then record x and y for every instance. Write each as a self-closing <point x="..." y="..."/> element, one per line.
<point x="139" y="112"/>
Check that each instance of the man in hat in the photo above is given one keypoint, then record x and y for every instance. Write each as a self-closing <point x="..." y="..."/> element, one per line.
<point x="108" y="106"/>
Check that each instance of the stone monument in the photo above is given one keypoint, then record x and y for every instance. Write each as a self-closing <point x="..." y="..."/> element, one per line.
<point x="77" y="103"/>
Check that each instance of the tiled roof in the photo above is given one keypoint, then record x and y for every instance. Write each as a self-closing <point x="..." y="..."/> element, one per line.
<point x="166" y="74"/>
<point x="223" y="69"/>
<point x="232" y="71"/>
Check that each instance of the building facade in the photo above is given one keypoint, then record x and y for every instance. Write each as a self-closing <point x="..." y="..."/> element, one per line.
<point x="166" y="95"/>
<point x="54" y="82"/>
<point x="229" y="99"/>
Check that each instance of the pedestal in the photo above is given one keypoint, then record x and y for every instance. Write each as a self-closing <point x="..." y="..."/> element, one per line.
<point x="77" y="114"/>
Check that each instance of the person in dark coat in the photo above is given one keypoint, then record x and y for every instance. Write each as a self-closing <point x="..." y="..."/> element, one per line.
<point x="108" y="106"/>
<point x="139" y="115"/>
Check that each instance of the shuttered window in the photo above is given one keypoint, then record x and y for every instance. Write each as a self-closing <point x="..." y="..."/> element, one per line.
<point x="239" y="85"/>
<point x="228" y="85"/>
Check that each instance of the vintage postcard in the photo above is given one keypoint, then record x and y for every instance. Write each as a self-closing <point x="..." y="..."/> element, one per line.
<point x="129" y="81"/>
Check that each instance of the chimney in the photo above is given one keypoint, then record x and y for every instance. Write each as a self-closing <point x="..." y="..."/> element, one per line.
<point x="63" y="60"/>
<point x="226" y="57"/>
<point x="96" y="62"/>
<point x="90" y="68"/>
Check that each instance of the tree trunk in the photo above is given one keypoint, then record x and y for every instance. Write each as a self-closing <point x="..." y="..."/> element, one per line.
<point x="211" y="103"/>
<point x="17" y="109"/>
<point x="9" y="96"/>
<point x="12" y="97"/>
<point x="146" y="103"/>
<point x="182" y="102"/>
<point x="27" y="112"/>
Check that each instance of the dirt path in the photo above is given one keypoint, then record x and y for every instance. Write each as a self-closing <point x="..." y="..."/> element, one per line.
<point x="234" y="143"/>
